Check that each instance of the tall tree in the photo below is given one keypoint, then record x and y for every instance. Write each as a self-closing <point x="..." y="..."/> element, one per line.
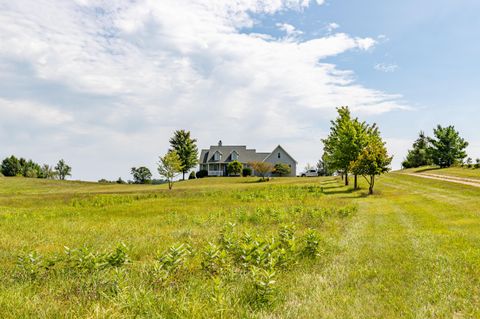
<point x="63" y="170"/>
<point x="373" y="160"/>
<point x="420" y="154"/>
<point x="186" y="149"/>
<point x="448" y="148"/>
<point x="141" y="175"/>
<point x="170" y="166"/>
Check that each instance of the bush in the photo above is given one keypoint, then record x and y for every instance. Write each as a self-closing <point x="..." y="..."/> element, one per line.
<point x="202" y="173"/>
<point x="247" y="171"/>
<point x="282" y="169"/>
<point x="234" y="168"/>
<point x="192" y="175"/>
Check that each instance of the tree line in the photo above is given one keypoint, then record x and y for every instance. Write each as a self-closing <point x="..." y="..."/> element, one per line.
<point x="445" y="149"/>
<point x="354" y="147"/>
<point x="13" y="166"/>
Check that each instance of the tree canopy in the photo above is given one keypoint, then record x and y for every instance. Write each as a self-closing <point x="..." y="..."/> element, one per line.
<point x="448" y="148"/>
<point x="63" y="170"/>
<point x="186" y="149"/>
<point x="420" y="154"/>
<point x="141" y="175"/>
<point x="347" y="138"/>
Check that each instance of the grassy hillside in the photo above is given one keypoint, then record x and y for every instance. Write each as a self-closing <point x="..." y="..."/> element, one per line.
<point x="411" y="251"/>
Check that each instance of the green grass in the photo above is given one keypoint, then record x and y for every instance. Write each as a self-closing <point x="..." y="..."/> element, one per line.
<point x="462" y="172"/>
<point x="410" y="251"/>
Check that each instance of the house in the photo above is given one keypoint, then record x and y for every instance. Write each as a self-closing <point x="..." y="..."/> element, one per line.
<point x="215" y="159"/>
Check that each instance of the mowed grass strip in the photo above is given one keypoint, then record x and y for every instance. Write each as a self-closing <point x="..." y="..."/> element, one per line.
<point x="411" y="251"/>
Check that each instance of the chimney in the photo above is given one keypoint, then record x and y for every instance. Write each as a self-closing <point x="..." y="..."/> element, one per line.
<point x="220" y="143"/>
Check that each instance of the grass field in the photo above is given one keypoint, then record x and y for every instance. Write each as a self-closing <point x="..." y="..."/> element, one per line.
<point x="410" y="251"/>
<point x="452" y="171"/>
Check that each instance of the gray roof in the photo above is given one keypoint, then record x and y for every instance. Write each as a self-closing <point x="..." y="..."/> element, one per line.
<point x="244" y="155"/>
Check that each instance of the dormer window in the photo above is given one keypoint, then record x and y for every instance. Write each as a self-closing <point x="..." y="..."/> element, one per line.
<point x="234" y="156"/>
<point x="217" y="156"/>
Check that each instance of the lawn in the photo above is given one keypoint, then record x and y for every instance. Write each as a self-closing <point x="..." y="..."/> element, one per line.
<point x="410" y="251"/>
<point x="461" y="172"/>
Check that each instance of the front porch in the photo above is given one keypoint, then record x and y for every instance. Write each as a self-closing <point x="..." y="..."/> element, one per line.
<point x="216" y="169"/>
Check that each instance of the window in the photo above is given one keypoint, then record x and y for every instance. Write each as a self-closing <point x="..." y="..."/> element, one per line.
<point x="234" y="156"/>
<point x="216" y="156"/>
<point x="278" y="154"/>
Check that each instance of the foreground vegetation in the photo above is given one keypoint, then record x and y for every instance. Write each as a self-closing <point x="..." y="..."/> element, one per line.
<point x="236" y="248"/>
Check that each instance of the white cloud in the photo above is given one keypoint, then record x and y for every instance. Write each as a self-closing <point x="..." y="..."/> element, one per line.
<point x="386" y="67"/>
<point x="124" y="74"/>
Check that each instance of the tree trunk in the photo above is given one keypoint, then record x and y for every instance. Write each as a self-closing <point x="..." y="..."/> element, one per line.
<point x="183" y="175"/>
<point x="356" y="182"/>
<point x="170" y="184"/>
<point x="346" y="178"/>
<point x="372" y="184"/>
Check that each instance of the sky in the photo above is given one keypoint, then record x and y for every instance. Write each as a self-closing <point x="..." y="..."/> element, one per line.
<point x="104" y="83"/>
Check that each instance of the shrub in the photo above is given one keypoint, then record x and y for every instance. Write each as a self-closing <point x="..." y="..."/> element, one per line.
<point x="234" y="168"/>
<point x="477" y="164"/>
<point x="202" y="173"/>
<point x="192" y="175"/>
<point x="312" y="244"/>
<point x="247" y="171"/>
<point x="264" y="284"/>
<point x="282" y="169"/>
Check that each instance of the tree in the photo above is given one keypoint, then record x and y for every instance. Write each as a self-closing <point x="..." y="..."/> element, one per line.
<point x="281" y="169"/>
<point x="373" y="160"/>
<point x="448" y="148"/>
<point x="186" y="149"/>
<point x="420" y="155"/>
<point x="323" y="168"/>
<point x="63" y="170"/>
<point x="170" y="166"/>
<point x="192" y="175"/>
<point x="262" y="169"/>
<point x="47" y="172"/>
<point x="346" y="140"/>
<point x="141" y="175"/>
<point x="11" y="166"/>
<point x="234" y="168"/>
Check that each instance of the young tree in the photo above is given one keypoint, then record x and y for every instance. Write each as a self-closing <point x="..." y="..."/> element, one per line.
<point x="262" y="169"/>
<point x="372" y="161"/>
<point x="282" y="169"/>
<point x="186" y="149"/>
<point x="141" y="175"/>
<point x="448" y="148"/>
<point x="170" y="166"/>
<point x="346" y="140"/>
<point x="234" y="168"/>
<point x="420" y="155"/>
<point x="62" y="170"/>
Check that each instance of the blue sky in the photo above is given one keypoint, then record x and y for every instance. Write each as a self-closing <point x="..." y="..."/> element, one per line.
<point x="104" y="84"/>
